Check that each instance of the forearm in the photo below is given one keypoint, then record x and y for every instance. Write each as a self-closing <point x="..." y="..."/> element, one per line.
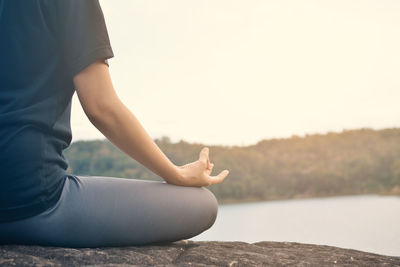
<point x="106" y="111"/>
<point x="124" y="130"/>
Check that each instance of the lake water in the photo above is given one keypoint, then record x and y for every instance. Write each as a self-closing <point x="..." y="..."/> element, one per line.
<point x="369" y="222"/>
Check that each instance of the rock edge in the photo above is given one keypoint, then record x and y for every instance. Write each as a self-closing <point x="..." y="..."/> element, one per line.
<point x="194" y="253"/>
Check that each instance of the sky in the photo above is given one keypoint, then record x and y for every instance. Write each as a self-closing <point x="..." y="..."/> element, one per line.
<point x="230" y="72"/>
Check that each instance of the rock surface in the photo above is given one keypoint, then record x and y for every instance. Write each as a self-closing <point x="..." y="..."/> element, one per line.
<point x="191" y="253"/>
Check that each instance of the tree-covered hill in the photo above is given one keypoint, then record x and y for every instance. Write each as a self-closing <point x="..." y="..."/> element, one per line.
<point x="351" y="162"/>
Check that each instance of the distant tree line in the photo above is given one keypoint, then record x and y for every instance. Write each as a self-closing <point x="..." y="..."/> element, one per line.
<point x="360" y="161"/>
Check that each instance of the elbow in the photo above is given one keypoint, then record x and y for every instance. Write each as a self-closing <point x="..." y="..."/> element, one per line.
<point x="101" y="111"/>
<point x="93" y="116"/>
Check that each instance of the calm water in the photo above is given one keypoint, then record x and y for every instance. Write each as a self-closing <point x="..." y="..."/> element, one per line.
<point x="368" y="223"/>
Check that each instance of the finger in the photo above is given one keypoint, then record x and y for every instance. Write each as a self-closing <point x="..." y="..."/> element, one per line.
<point x="220" y="177"/>
<point x="204" y="154"/>
<point x="211" y="167"/>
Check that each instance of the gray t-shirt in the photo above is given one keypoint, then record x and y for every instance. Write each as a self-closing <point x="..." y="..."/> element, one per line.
<point x="43" y="44"/>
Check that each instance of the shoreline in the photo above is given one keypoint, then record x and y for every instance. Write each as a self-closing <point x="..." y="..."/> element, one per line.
<point x="228" y="201"/>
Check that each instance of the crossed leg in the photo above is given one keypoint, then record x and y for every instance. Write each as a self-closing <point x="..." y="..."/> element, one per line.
<point x="97" y="211"/>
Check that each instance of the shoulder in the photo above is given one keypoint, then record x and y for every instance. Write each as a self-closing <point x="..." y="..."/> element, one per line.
<point x="67" y="8"/>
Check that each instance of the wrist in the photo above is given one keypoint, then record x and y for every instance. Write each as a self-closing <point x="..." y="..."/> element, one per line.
<point x="177" y="176"/>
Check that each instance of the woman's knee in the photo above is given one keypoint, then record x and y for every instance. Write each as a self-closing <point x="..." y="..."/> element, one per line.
<point x="210" y="207"/>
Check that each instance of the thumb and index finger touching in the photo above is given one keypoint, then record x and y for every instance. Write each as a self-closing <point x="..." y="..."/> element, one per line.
<point x="204" y="156"/>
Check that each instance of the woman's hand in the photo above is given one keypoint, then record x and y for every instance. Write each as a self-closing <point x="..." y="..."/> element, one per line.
<point x="198" y="173"/>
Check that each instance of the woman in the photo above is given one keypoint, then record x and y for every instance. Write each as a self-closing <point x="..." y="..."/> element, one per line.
<point x="50" y="49"/>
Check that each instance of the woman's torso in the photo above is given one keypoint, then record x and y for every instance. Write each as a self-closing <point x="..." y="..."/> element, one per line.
<point x="35" y="103"/>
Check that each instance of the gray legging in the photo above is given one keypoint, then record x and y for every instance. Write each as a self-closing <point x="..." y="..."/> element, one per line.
<point x="97" y="211"/>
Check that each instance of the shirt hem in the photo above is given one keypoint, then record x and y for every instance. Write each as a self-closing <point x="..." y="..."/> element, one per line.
<point x="24" y="212"/>
<point x="104" y="52"/>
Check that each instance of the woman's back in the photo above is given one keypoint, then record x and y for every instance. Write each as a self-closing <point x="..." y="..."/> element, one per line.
<point x="43" y="44"/>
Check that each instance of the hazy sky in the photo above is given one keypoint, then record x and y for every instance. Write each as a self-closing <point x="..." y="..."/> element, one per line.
<point x="235" y="72"/>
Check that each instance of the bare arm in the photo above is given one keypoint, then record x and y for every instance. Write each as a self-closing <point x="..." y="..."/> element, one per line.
<point x="111" y="117"/>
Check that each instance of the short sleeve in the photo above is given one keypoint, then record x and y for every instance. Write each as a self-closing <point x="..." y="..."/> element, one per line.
<point x="83" y="35"/>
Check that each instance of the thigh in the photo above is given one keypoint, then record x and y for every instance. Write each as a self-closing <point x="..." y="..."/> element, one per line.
<point x="106" y="211"/>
